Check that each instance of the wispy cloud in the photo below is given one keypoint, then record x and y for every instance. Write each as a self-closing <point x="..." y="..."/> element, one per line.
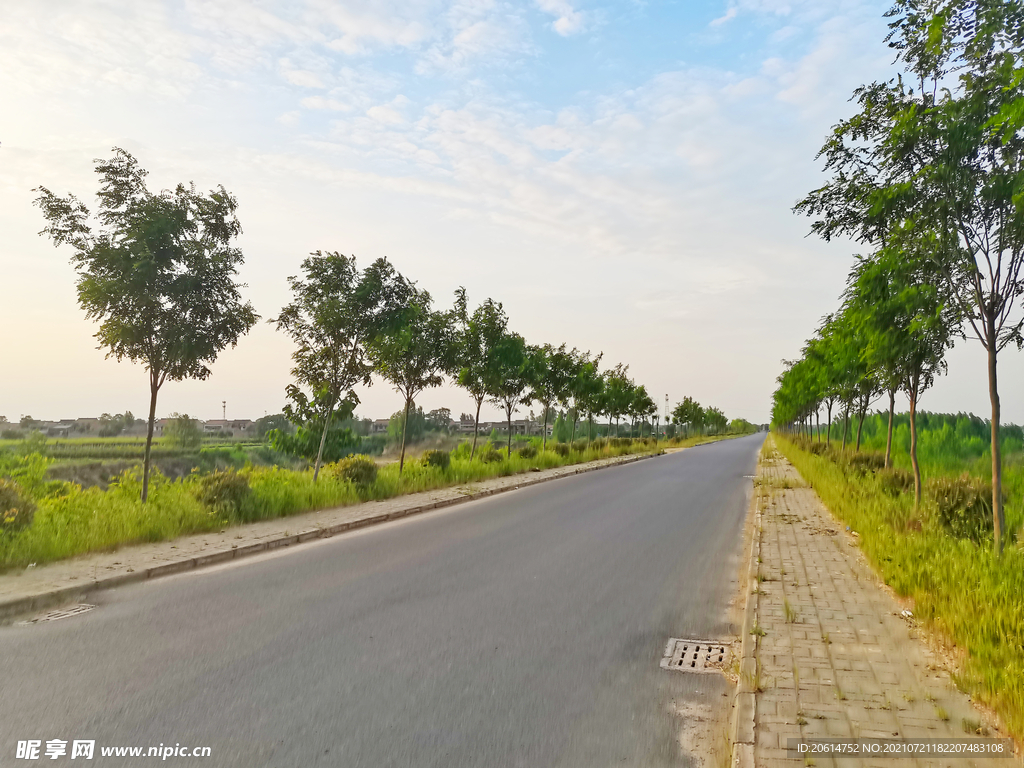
<point x="422" y="130"/>
<point x="729" y="15"/>
<point x="568" y="20"/>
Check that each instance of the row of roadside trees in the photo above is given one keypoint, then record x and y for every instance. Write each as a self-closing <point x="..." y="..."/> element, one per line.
<point x="349" y="325"/>
<point x="927" y="175"/>
<point x="158" y="271"/>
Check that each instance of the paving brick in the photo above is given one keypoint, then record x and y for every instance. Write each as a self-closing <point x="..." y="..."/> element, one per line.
<point x="871" y="656"/>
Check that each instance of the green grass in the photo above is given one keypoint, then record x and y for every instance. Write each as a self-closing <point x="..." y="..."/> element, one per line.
<point x="959" y="588"/>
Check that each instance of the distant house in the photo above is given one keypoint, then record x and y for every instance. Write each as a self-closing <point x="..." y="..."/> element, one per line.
<point x="235" y="426"/>
<point x="520" y="427"/>
<point x="59" y="428"/>
<point x="88" y="425"/>
<point x="379" y="426"/>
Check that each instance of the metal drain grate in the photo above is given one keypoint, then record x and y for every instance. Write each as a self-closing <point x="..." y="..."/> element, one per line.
<point x="63" y="613"/>
<point x="694" y="655"/>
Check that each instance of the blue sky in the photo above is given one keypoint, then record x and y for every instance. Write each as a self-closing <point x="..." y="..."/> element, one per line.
<point x="619" y="175"/>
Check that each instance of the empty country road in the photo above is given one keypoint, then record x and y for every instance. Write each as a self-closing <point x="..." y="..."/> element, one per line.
<point x="524" y="629"/>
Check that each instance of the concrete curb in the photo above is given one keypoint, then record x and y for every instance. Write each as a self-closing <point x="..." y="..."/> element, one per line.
<point x="43" y="600"/>
<point x="746" y="695"/>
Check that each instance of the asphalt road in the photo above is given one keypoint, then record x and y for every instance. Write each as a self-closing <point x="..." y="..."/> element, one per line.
<point x="525" y="629"/>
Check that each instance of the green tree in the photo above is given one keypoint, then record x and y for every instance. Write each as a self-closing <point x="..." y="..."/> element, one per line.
<point x="112" y="426"/>
<point x="183" y="432"/>
<point x="618" y="392"/>
<point x="588" y="389"/>
<point x="158" y="274"/>
<point x="413" y="427"/>
<point x="576" y="364"/>
<point x="439" y="420"/>
<point x="560" y="432"/>
<point x="510" y="376"/>
<point x="908" y="326"/>
<point x="941" y="149"/>
<point x="689" y="414"/>
<point x="278" y="421"/>
<point x="641" y="406"/>
<point x="552" y="369"/>
<point x="335" y="311"/>
<point x="414" y="354"/>
<point x="715" y="420"/>
<point x="308" y="439"/>
<point x="475" y="340"/>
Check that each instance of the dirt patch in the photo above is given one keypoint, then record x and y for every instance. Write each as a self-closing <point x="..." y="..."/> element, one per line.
<point x="704" y="732"/>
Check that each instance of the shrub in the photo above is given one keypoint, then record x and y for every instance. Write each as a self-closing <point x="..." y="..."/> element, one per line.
<point x="489" y="455"/>
<point x="527" y="452"/>
<point x="462" y="450"/>
<point x="599" y="444"/>
<point x="226" y="492"/>
<point x="562" y="449"/>
<point x="818" y="449"/>
<point x="16" y="508"/>
<point x="579" y="446"/>
<point x="358" y="470"/>
<point x="439" y="459"/>
<point x="865" y="461"/>
<point x="963" y="504"/>
<point x="894" y="481"/>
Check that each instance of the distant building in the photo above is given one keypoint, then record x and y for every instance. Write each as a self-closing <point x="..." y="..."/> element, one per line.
<point x="59" y="428"/>
<point x="379" y="426"/>
<point x="235" y="426"/>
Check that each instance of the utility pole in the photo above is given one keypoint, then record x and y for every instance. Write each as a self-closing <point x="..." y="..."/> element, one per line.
<point x="666" y="413"/>
<point x="224" y="409"/>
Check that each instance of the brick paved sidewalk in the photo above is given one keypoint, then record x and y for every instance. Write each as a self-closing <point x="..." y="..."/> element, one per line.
<point x="838" y="659"/>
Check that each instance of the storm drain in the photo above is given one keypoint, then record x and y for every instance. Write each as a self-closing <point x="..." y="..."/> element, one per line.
<point x="63" y="613"/>
<point x="694" y="655"/>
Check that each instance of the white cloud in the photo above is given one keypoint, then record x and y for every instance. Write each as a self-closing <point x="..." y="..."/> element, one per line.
<point x="568" y="21"/>
<point x="729" y="15"/>
<point x="303" y="78"/>
<point x="669" y="195"/>
<point x="320" y="102"/>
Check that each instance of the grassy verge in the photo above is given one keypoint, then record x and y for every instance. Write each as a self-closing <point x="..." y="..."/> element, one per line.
<point x="971" y="598"/>
<point x="71" y="520"/>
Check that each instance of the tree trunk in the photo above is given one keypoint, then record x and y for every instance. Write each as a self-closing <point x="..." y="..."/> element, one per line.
<point x="888" y="439"/>
<point x="912" y="394"/>
<point x="154" y="388"/>
<point x="476" y="427"/>
<point x="575" y="418"/>
<point x="860" y="423"/>
<point x="846" y="424"/>
<point x="509" y="413"/>
<point x="828" y="428"/>
<point x="817" y="422"/>
<point x="998" y="519"/>
<point x="323" y="440"/>
<point x="405" y="429"/>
